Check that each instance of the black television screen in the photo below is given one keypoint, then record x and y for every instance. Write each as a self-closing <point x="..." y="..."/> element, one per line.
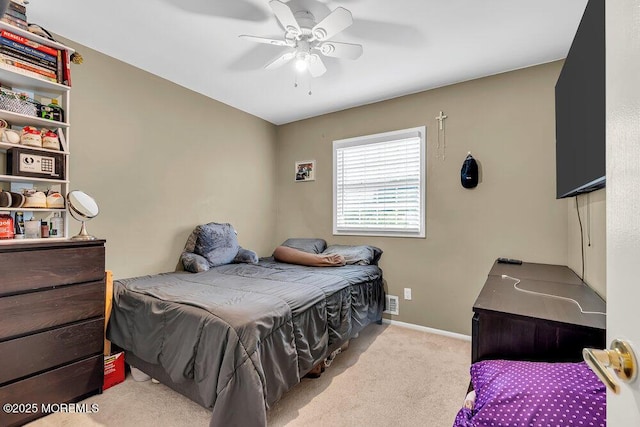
<point x="580" y="109"/>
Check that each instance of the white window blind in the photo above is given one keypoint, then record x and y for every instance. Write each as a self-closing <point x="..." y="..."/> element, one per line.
<point x="378" y="184"/>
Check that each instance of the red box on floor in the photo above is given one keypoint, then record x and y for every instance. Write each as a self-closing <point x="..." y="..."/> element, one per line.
<point x="113" y="370"/>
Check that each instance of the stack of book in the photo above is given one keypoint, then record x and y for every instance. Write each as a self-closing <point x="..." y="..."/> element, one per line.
<point x="33" y="59"/>
<point x="16" y="14"/>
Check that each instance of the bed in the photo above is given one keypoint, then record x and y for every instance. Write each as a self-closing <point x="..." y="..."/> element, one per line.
<point x="236" y="337"/>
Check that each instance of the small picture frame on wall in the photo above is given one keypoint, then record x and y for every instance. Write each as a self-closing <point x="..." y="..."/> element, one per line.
<point x="305" y="171"/>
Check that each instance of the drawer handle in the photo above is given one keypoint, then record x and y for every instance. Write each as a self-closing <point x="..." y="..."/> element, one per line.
<point x="620" y="358"/>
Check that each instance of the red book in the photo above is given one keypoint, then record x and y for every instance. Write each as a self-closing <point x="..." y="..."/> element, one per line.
<point x="19" y="39"/>
<point x="66" y="68"/>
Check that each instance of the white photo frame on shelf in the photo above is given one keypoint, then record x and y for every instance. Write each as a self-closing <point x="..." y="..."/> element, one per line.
<point x="305" y="170"/>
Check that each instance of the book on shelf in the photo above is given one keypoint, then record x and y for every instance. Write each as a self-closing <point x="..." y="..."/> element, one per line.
<point x="30" y="43"/>
<point x="19" y="24"/>
<point x="18" y="70"/>
<point x="27" y="49"/>
<point x="60" y="70"/>
<point x="29" y="52"/>
<point x="66" y="68"/>
<point x="18" y="7"/>
<point x="28" y="66"/>
<point x="15" y="53"/>
<point x="15" y="14"/>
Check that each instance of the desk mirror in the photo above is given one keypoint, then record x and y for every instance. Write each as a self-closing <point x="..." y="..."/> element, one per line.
<point x="82" y="207"/>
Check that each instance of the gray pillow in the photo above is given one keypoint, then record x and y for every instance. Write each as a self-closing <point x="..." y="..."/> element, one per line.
<point x="217" y="243"/>
<point x="313" y="246"/>
<point x="194" y="263"/>
<point x="212" y="244"/>
<point x="360" y="255"/>
<point x="246" y="256"/>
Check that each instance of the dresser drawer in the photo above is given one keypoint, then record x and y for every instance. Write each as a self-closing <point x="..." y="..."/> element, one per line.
<point x="35" y="353"/>
<point x="36" y="311"/>
<point x="41" y="268"/>
<point x="57" y="386"/>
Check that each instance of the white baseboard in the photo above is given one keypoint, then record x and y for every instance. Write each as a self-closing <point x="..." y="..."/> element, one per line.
<point x="430" y="330"/>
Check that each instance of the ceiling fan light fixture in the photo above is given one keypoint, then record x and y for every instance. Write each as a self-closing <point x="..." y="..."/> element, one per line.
<point x="302" y="62"/>
<point x="301" y="65"/>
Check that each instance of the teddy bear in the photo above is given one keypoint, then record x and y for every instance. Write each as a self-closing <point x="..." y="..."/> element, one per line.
<point x="214" y="244"/>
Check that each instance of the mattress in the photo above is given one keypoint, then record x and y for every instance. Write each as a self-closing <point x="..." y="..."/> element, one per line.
<point x="240" y="335"/>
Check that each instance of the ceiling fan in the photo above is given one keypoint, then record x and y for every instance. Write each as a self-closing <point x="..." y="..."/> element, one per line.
<point x="306" y="38"/>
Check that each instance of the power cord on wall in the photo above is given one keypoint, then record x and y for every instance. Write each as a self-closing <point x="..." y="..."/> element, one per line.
<point x="581" y="238"/>
<point x="589" y="219"/>
<point x="517" y="281"/>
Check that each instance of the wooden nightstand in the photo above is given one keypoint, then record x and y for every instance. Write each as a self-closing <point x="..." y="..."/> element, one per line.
<point x="511" y="324"/>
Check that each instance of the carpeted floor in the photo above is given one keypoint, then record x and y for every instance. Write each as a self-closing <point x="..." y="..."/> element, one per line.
<point x="389" y="376"/>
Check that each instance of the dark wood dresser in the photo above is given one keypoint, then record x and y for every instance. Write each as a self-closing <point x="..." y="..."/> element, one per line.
<point x="52" y="298"/>
<point x="510" y="323"/>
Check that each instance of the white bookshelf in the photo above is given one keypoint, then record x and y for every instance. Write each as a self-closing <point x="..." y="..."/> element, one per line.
<point x="43" y="91"/>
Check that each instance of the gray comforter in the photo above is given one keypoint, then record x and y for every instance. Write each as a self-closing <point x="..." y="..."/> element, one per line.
<point x="243" y="333"/>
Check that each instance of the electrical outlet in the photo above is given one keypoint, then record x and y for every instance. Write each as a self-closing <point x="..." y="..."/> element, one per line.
<point x="407" y="293"/>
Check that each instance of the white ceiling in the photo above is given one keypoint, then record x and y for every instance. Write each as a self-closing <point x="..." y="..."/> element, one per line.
<point x="409" y="45"/>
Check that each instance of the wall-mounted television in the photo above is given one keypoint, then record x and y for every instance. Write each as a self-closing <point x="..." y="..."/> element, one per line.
<point x="580" y="109"/>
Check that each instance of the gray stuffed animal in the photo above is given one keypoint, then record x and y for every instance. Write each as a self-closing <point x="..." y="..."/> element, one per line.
<point x="213" y="244"/>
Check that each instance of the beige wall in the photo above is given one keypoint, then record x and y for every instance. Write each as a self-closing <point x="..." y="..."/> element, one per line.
<point x="592" y="208"/>
<point x="507" y="122"/>
<point x="160" y="159"/>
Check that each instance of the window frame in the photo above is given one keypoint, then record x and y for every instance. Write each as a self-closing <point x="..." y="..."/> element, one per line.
<point x="421" y="133"/>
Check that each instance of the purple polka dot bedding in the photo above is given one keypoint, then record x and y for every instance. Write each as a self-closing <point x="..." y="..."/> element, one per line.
<point x="533" y="394"/>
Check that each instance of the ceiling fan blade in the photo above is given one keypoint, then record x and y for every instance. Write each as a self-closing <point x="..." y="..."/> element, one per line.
<point x="386" y="32"/>
<point x="234" y="9"/>
<point x="341" y="50"/>
<point x="316" y="66"/>
<point x="285" y="17"/>
<point x="281" y="60"/>
<point x="335" y="22"/>
<point x="254" y="58"/>
<point x="264" y="40"/>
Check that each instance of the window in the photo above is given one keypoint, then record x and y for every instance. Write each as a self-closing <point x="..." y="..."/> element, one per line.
<point x="379" y="184"/>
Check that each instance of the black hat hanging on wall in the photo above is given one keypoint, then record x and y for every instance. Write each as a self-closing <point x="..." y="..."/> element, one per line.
<point x="469" y="172"/>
